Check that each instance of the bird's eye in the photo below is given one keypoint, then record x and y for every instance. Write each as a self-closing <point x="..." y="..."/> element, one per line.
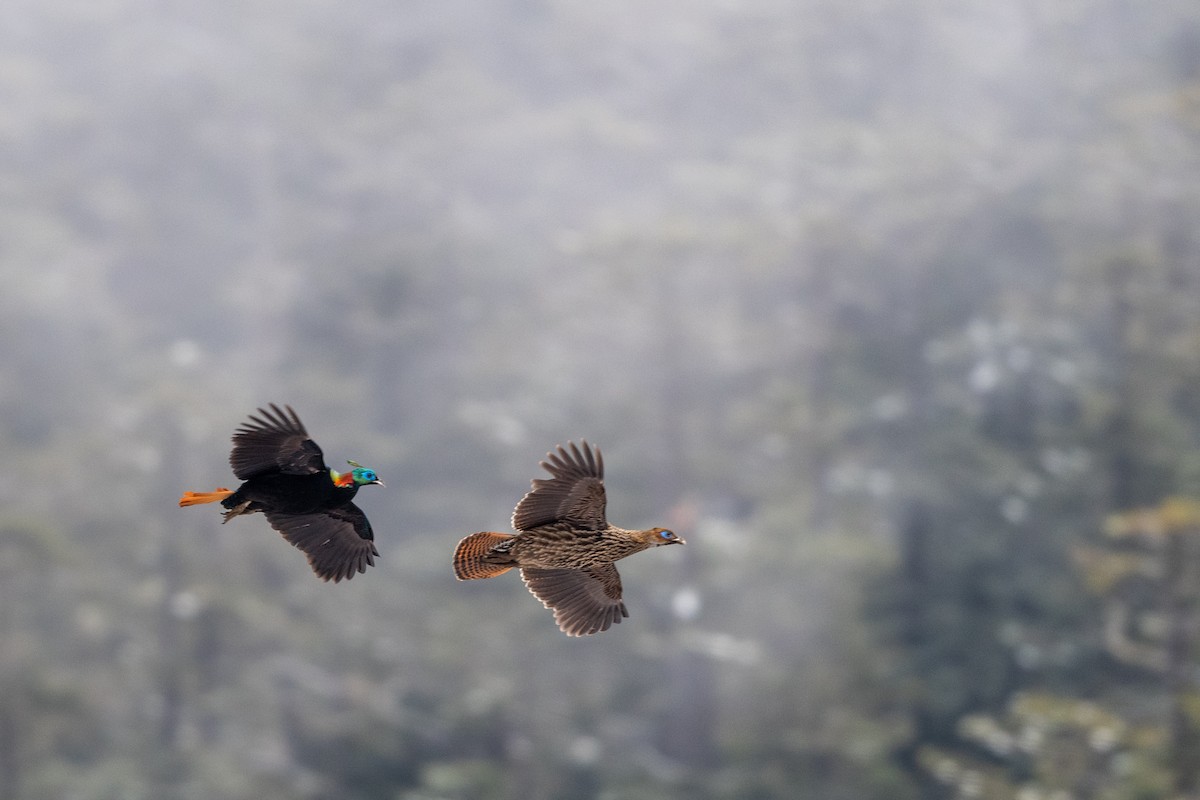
<point x="666" y="534"/>
<point x="369" y="475"/>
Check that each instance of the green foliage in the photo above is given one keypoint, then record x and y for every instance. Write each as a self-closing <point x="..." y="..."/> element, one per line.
<point x="1045" y="746"/>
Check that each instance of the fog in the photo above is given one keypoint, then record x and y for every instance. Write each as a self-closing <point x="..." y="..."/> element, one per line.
<point x="890" y="309"/>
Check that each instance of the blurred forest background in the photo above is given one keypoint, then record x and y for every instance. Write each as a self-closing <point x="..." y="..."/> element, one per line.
<point x="891" y="308"/>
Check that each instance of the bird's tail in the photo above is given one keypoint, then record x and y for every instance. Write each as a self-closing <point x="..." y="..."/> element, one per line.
<point x="470" y="556"/>
<point x="199" y="498"/>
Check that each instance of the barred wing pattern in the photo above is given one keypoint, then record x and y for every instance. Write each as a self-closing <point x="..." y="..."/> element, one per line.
<point x="574" y="494"/>
<point x="584" y="601"/>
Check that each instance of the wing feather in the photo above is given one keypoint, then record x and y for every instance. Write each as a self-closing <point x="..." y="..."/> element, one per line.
<point x="574" y="493"/>
<point x="339" y="542"/>
<point x="274" y="441"/>
<point x="584" y="601"/>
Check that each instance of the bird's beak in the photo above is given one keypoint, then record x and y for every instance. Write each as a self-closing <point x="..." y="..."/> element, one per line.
<point x="381" y="483"/>
<point x="677" y="540"/>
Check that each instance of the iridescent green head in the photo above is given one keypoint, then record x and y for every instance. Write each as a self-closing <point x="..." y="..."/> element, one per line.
<point x="362" y="475"/>
<point x="359" y="476"/>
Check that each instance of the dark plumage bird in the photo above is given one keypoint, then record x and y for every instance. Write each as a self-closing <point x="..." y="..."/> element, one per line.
<point x="566" y="548"/>
<point x="309" y="503"/>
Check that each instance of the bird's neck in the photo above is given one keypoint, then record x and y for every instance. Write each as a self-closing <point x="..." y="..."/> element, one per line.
<point x="622" y="542"/>
<point x="342" y="480"/>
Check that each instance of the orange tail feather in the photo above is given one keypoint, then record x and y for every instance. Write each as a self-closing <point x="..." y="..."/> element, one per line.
<point x="199" y="498"/>
<point x="469" y="563"/>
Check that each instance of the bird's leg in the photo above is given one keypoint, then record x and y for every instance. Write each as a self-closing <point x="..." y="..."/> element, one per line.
<point x="241" y="508"/>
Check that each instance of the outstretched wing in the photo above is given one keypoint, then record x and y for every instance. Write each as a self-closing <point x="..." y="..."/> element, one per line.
<point x="575" y="494"/>
<point x="584" y="601"/>
<point x="274" y="441"/>
<point x="338" y="542"/>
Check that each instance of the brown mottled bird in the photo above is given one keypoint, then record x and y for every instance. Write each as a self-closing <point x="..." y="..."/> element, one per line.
<point x="565" y="548"/>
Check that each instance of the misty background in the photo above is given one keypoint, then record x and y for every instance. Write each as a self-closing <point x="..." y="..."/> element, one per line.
<point x="891" y="309"/>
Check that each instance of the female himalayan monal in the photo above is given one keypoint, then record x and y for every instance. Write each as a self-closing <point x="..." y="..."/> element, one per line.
<point x="309" y="503"/>
<point x="565" y="547"/>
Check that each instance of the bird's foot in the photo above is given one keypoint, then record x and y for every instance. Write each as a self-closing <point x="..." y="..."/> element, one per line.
<point x="238" y="510"/>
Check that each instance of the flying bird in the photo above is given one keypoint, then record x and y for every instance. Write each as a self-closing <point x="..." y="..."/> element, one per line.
<point x="565" y="547"/>
<point x="285" y="478"/>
